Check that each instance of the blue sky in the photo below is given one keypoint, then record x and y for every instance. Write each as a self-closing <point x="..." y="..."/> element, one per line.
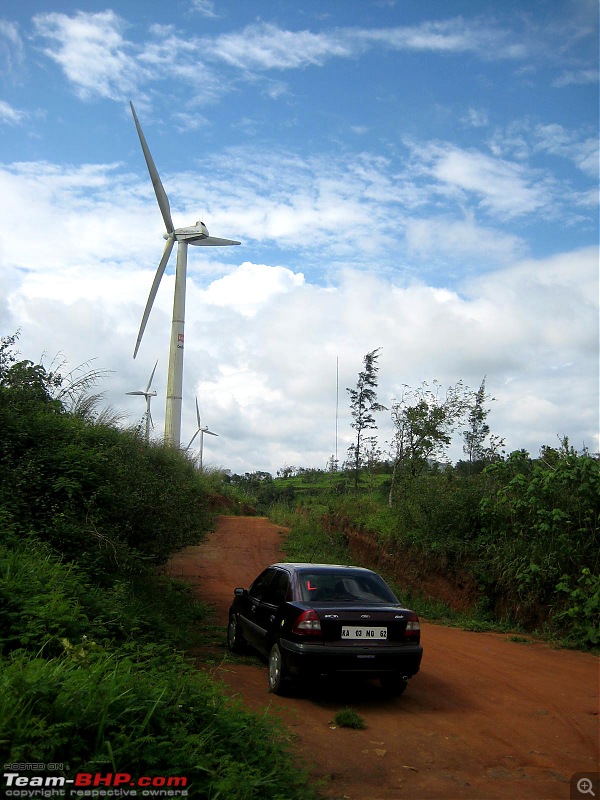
<point x="416" y="176"/>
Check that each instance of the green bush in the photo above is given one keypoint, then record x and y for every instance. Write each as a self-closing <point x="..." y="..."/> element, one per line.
<point x="40" y="598"/>
<point x="144" y="711"/>
<point x="349" y="718"/>
<point x="542" y="523"/>
<point x="44" y="600"/>
<point x="70" y="693"/>
<point x="581" y="618"/>
<point x="102" y="496"/>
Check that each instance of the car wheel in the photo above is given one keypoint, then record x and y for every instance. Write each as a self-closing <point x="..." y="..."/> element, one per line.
<point x="235" y="638"/>
<point x="278" y="675"/>
<point x="393" y="683"/>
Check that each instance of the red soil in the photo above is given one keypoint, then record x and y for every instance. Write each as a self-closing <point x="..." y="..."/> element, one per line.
<point x="485" y="718"/>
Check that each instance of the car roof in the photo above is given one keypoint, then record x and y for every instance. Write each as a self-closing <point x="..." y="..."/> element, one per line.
<point x="300" y="566"/>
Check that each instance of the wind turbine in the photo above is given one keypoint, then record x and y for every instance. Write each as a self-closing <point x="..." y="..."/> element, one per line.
<point x="148" y="395"/>
<point x="200" y="431"/>
<point x="197" y="235"/>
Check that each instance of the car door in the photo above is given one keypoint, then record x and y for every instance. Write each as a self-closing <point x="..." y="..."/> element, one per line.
<point x="269" y="610"/>
<point x="250" y="614"/>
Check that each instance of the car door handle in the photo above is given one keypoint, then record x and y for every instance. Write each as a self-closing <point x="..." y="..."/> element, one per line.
<point x="272" y="618"/>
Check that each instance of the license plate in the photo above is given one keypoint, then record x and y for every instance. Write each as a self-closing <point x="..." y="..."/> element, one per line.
<point x="364" y="633"/>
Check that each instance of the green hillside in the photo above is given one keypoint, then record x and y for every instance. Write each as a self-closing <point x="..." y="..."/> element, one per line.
<point x="93" y="673"/>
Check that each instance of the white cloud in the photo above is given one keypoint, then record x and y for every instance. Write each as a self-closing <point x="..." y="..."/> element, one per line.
<point x="461" y="240"/>
<point x="91" y="50"/>
<point x="12" y="51"/>
<point x="505" y="188"/>
<point x="576" y="77"/>
<point x="97" y="58"/>
<point x="206" y="8"/>
<point x="266" y="46"/>
<point x="251" y="286"/>
<point x="10" y="115"/>
<point x="189" y="122"/>
<point x="558" y="141"/>
<point x="81" y="213"/>
<point x="449" y="36"/>
<point x="476" y="118"/>
<point x="524" y="140"/>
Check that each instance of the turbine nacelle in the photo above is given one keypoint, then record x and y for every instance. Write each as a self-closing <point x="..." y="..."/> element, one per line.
<point x="143" y="394"/>
<point x="198" y="235"/>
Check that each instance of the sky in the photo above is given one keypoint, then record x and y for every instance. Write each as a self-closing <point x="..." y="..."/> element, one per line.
<point x="417" y="176"/>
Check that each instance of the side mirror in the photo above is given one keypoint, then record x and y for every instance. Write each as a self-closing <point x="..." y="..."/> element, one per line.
<point x="240" y="592"/>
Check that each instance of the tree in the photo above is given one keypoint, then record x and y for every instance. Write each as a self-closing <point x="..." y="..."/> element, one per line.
<point x="363" y="404"/>
<point x="424" y="420"/>
<point x="286" y="471"/>
<point x="478" y="431"/>
<point x="332" y="464"/>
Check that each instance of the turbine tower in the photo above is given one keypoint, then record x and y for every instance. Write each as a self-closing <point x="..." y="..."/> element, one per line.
<point x="197" y="235"/>
<point x="200" y="431"/>
<point x="148" y="395"/>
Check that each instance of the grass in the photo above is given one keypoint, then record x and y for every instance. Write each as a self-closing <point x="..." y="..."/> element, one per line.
<point x="348" y="718"/>
<point x="96" y="677"/>
<point x="519" y="639"/>
<point x="308" y="541"/>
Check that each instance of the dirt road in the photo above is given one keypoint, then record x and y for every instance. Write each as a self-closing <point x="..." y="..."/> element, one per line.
<point x="485" y="718"/>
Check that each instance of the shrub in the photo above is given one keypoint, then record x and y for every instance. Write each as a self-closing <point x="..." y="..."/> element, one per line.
<point x="582" y="615"/>
<point x="144" y="711"/>
<point x="102" y="496"/>
<point x="348" y="718"/>
<point x="541" y="524"/>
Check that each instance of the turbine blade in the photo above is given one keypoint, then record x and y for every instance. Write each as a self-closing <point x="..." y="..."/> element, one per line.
<point x="159" y="273"/>
<point x="159" y="191"/>
<point x="150" y="416"/>
<point x="198" y="415"/>
<point x="211" y="432"/>
<point x="192" y="439"/>
<point x="142" y="394"/>
<point x="151" y="376"/>
<point x="213" y="241"/>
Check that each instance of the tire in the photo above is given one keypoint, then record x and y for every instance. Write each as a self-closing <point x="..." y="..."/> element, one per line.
<point x="393" y="684"/>
<point x="235" y="638"/>
<point x="279" y="682"/>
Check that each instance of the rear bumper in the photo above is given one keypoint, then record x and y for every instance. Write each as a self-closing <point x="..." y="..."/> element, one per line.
<point x="325" y="659"/>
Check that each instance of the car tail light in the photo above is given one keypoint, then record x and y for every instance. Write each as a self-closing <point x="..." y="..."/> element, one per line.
<point x="308" y="624"/>
<point x="413" y="627"/>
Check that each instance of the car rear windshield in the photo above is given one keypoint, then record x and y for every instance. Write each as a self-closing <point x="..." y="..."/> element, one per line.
<point x="351" y="587"/>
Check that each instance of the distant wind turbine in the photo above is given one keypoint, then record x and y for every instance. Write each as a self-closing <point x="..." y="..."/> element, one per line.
<point x="197" y="235"/>
<point x="200" y="431"/>
<point x="148" y="395"/>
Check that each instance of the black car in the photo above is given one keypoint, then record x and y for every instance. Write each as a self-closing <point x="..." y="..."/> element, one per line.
<point x="310" y="620"/>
